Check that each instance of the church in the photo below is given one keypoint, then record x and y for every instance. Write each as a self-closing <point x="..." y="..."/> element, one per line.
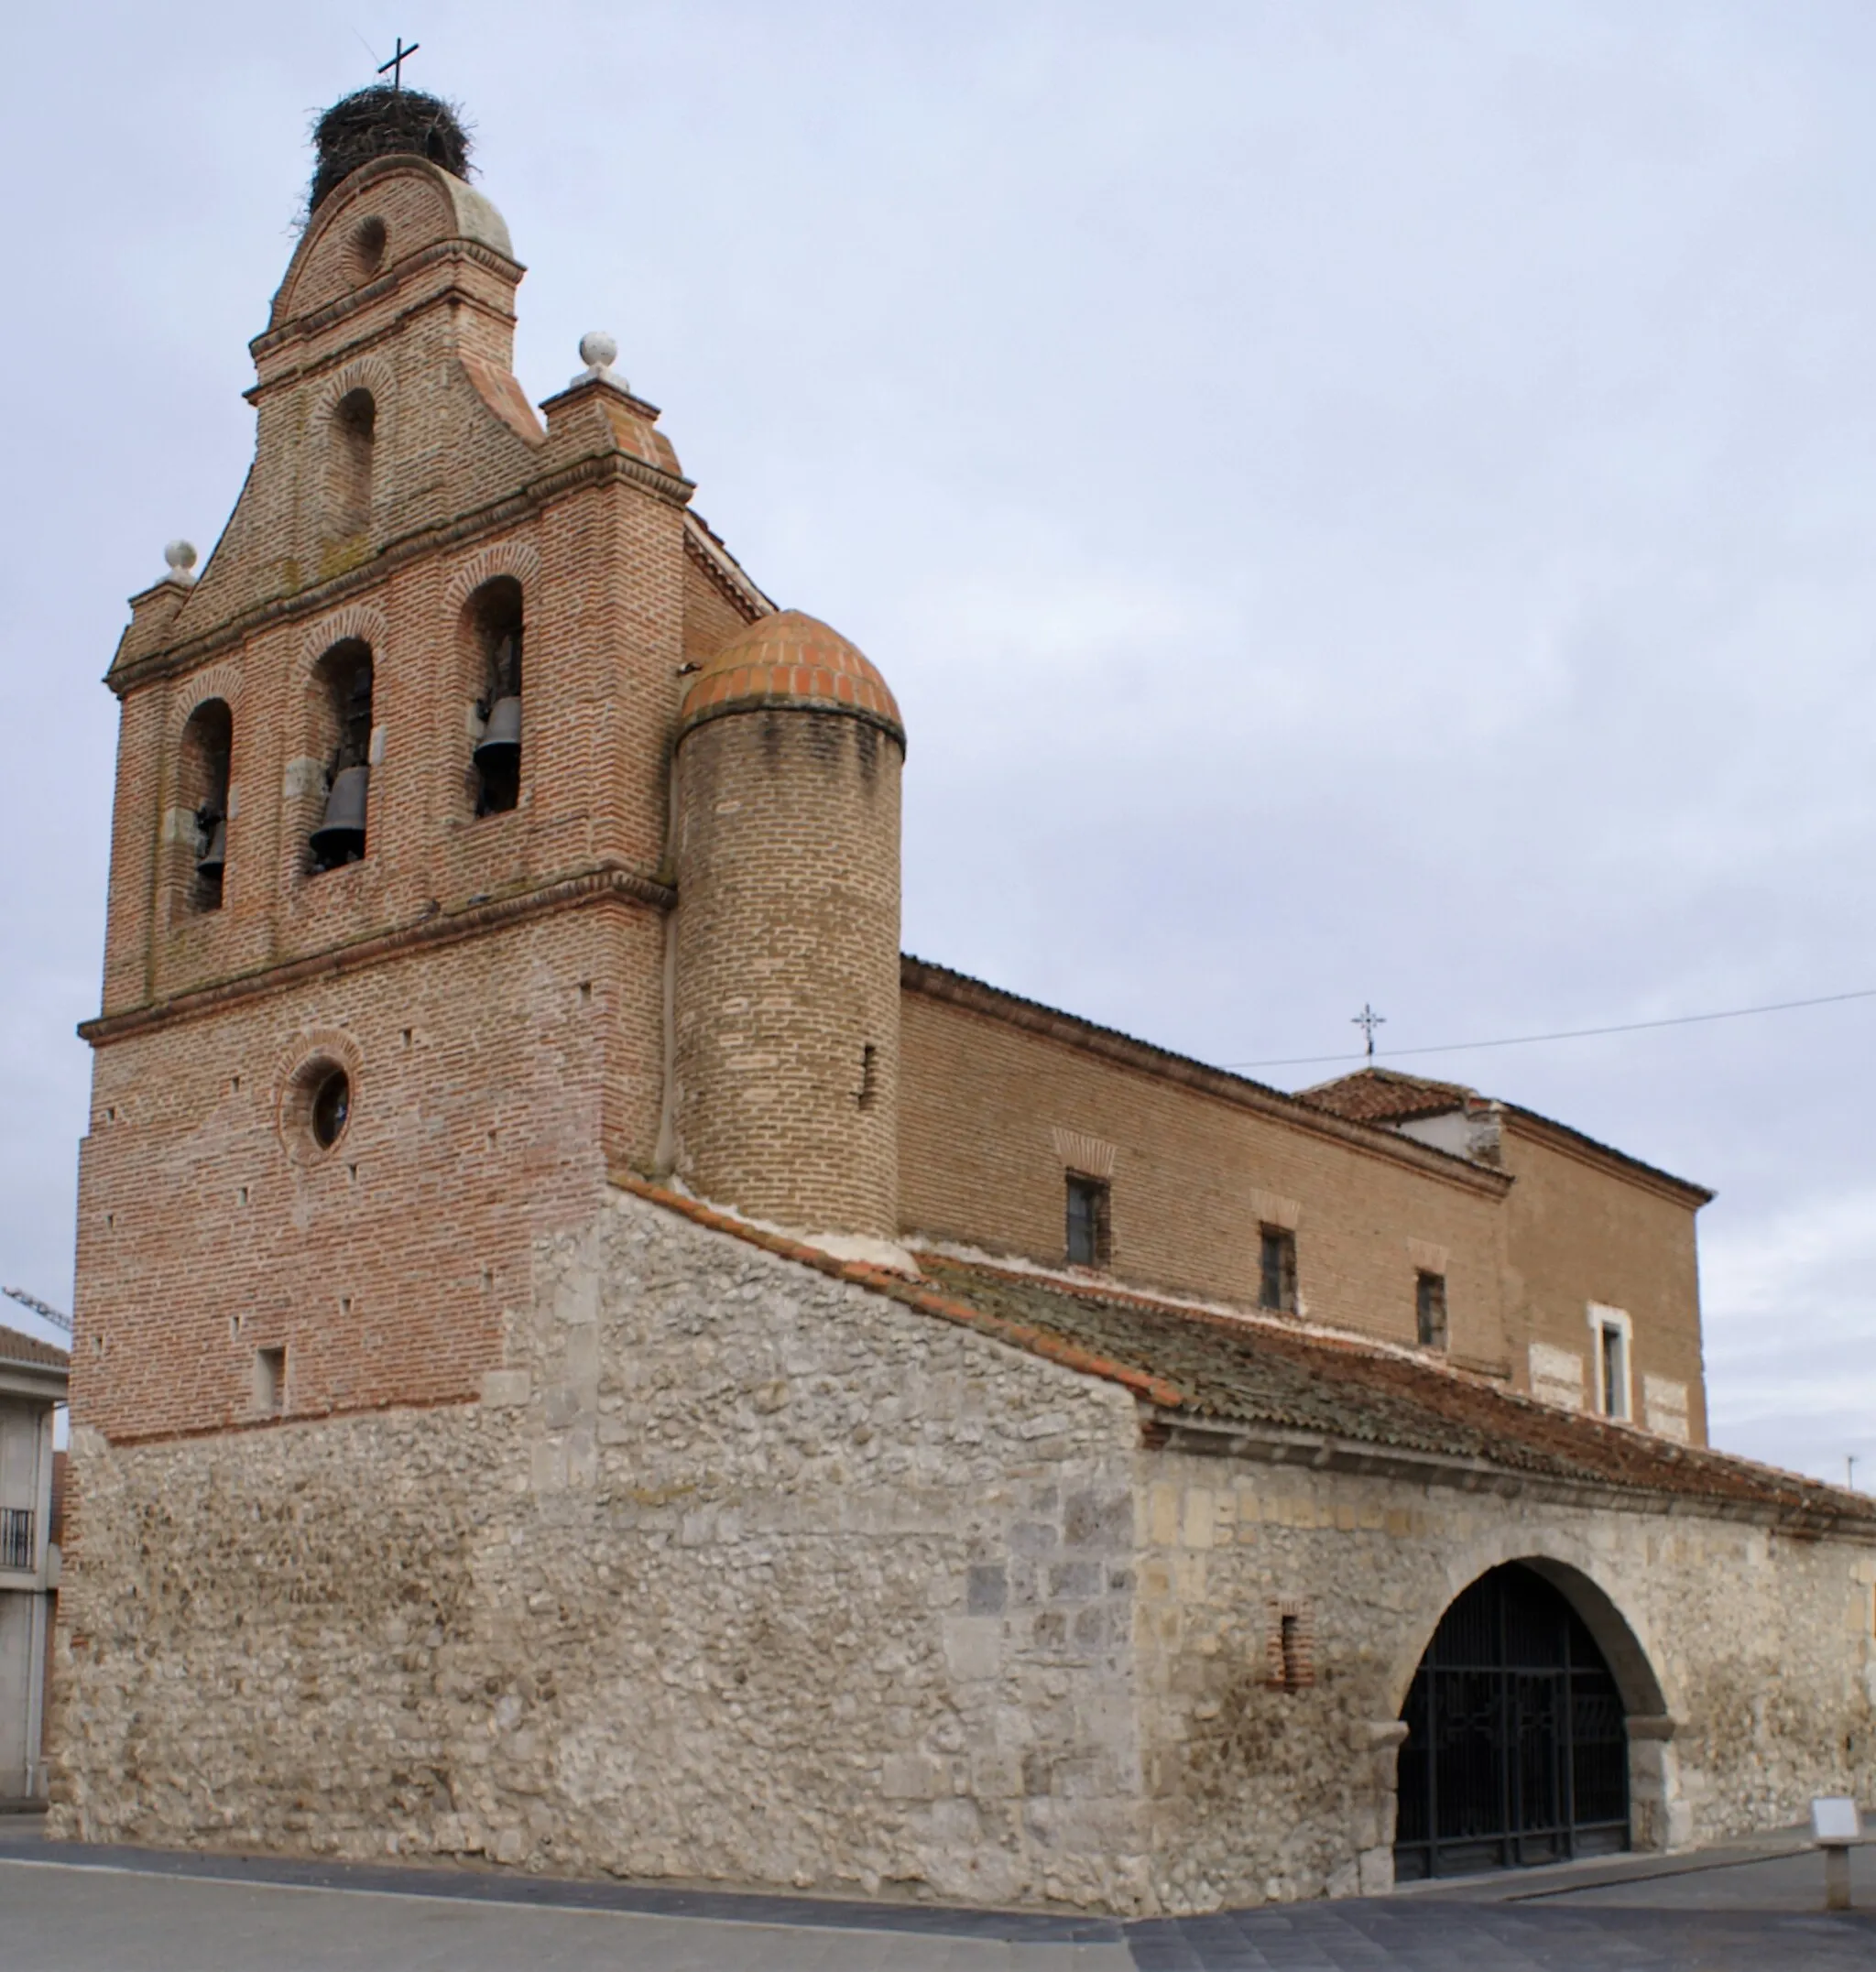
<point x="589" y="1359"/>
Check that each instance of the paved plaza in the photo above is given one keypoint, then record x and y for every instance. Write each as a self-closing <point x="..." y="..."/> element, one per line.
<point x="65" y="1908"/>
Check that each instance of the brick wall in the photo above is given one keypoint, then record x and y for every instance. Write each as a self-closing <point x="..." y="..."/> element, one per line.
<point x="493" y="1081"/>
<point x="787" y="1002"/>
<point x="785" y="948"/>
<point x="1579" y="1232"/>
<point x="998" y="1104"/>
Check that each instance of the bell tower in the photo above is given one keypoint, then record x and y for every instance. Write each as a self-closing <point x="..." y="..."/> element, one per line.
<point x="385" y="976"/>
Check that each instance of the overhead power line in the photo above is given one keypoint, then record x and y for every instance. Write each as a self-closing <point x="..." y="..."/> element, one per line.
<point x="1569" y="1033"/>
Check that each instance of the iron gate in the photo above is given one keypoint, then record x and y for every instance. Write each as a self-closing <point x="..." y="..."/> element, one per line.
<point x="1516" y="1749"/>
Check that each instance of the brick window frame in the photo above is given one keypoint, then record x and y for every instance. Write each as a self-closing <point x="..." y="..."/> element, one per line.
<point x="1289" y="1644"/>
<point x="270" y="1367"/>
<point x="298" y="1074"/>
<point x="351" y="466"/>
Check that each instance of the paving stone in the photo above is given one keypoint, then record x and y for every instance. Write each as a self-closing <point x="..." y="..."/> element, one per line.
<point x="126" y="1910"/>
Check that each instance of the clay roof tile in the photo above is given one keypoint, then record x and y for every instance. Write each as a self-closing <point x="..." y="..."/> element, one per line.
<point x="790" y="659"/>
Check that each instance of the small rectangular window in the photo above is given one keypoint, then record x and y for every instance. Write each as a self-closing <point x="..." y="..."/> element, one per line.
<point x="1430" y="1309"/>
<point x="270" y="1381"/>
<point x="1615" y="1371"/>
<point x="1087" y="1221"/>
<point x="1277" y="1284"/>
<point x="1613" y="1367"/>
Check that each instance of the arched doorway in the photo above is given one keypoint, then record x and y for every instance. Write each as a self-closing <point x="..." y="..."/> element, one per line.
<point x="1517" y="1750"/>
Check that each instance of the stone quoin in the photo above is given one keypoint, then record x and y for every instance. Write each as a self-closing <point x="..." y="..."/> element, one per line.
<point x="588" y="1358"/>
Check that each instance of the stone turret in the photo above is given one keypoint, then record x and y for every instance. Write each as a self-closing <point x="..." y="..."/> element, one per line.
<point x="790" y="752"/>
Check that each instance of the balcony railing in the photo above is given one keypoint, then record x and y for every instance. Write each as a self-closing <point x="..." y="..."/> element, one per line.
<point x="16" y="1544"/>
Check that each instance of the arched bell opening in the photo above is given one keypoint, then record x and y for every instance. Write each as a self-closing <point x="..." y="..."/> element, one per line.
<point x="343" y="710"/>
<point x="1518" y="1727"/>
<point x="493" y="618"/>
<point x="350" y="446"/>
<point x="203" y="765"/>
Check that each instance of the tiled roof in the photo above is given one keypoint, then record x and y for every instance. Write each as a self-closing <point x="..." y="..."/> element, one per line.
<point x="1222" y="1369"/>
<point x="1234" y="1369"/>
<point x="790" y="659"/>
<point x="1385" y="1095"/>
<point x="28" y="1351"/>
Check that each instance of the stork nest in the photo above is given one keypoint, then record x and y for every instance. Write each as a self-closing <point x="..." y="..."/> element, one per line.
<point x="382" y="122"/>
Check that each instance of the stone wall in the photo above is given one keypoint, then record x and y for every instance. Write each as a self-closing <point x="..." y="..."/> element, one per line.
<point x="742" y="1573"/>
<point x="1749" y="1650"/>
<point x="739" y="1572"/>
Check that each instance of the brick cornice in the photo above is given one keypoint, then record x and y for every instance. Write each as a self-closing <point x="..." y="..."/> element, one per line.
<point x="302" y="328"/>
<point x="956" y="989"/>
<point x="602" y="469"/>
<point x="1572" y="1143"/>
<point x="607" y="883"/>
<point x="384" y="334"/>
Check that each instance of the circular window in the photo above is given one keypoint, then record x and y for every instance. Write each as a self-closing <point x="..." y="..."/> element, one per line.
<point x="332" y="1104"/>
<point x="368" y="240"/>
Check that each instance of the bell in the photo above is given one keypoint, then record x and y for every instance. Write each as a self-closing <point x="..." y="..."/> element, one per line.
<point x="341" y="836"/>
<point x="209" y="863"/>
<point x="500" y="745"/>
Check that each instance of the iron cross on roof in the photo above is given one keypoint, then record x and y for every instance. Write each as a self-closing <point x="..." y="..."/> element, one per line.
<point x="1367" y="1019"/>
<point x="396" y="64"/>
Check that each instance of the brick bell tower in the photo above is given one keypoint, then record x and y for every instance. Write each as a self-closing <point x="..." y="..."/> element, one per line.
<point x="396" y="966"/>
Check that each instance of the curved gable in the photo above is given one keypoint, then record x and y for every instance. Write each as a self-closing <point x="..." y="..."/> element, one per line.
<point x="417" y="203"/>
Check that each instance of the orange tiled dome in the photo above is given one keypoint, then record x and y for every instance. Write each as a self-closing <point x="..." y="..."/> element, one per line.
<point x="790" y="659"/>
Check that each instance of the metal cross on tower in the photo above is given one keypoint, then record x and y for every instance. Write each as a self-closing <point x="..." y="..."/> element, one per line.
<point x="1367" y="1019"/>
<point x="396" y="64"/>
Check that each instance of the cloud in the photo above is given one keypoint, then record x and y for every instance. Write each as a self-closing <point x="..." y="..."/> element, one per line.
<point x="1791" y="1318"/>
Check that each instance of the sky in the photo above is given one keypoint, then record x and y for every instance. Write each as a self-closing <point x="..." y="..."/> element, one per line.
<point x="1359" y="503"/>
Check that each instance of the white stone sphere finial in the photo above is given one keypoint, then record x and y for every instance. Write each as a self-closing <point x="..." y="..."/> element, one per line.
<point x="598" y="353"/>
<point x="181" y="556"/>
